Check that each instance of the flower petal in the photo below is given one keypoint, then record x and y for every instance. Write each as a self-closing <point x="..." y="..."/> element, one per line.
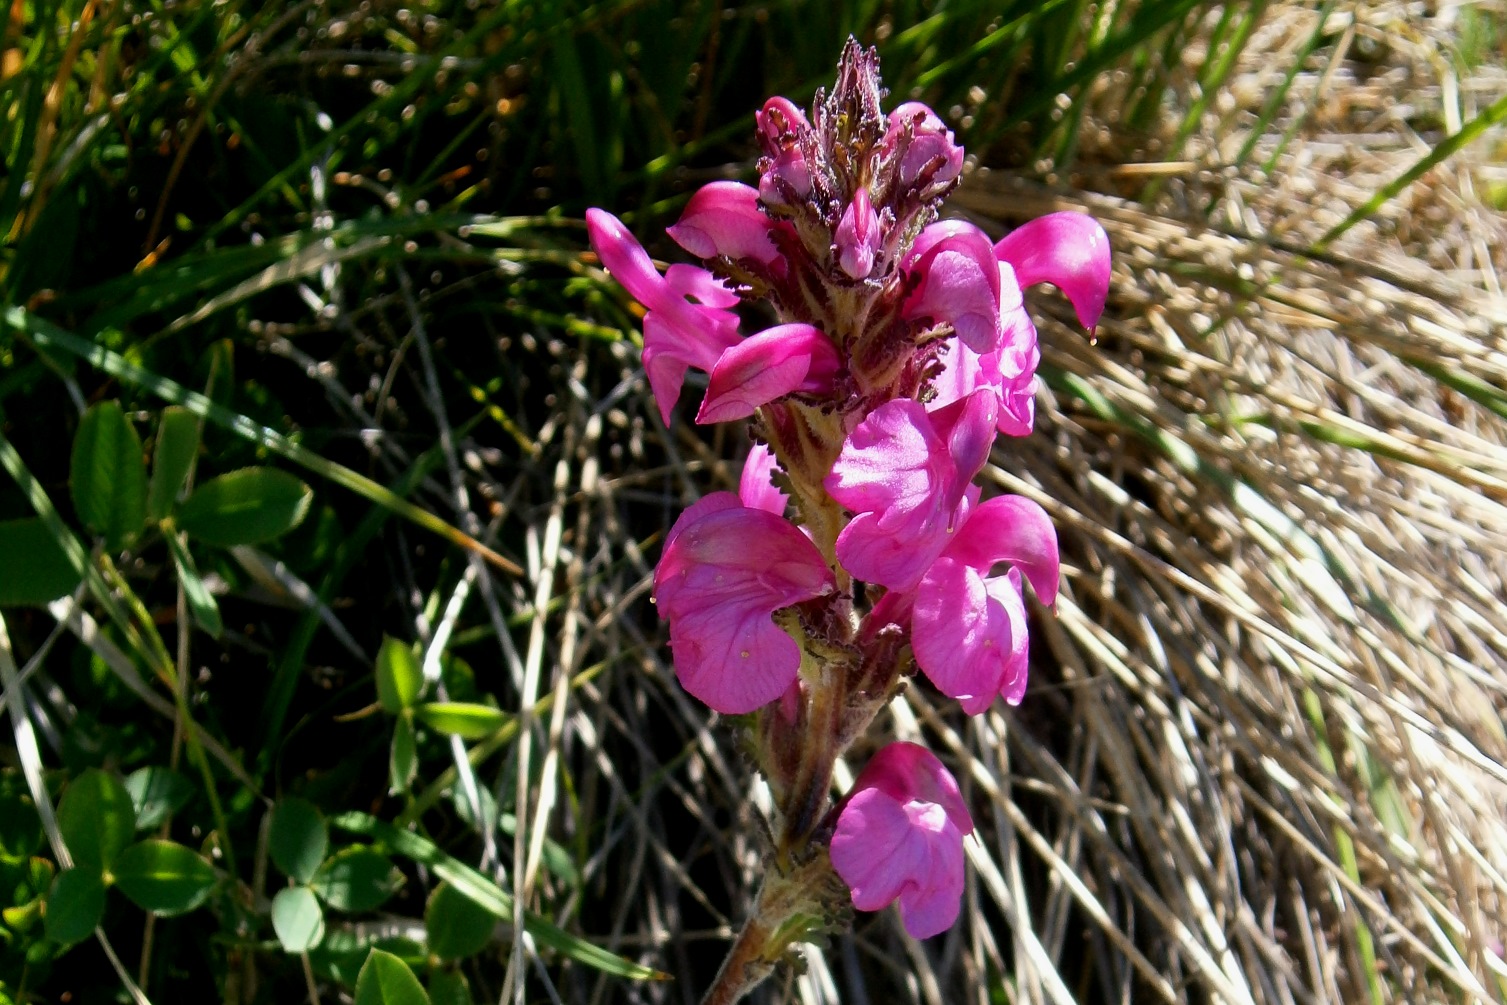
<point x="899" y="835"/>
<point x="960" y="635"/>
<point x="669" y="350"/>
<point x="724" y="572"/>
<point x="700" y="285"/>
<point x="958" y="282"/>
<point x="755" y="487"/>
<point x="1011" y="529"/>
<point x="776" y="362"/>
<point x="1068" y="250"/>
<point x="724" y="218"/>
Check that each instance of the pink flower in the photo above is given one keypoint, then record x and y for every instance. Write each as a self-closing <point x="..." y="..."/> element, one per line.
<point x="957" y="282"/>
<point x="724" y="218"/>
<point x="678" y="334"/>
<point x="782" y="360"/>
<point x="904" y="471"/>
<point x="857" y="237"/>
<point x="929" y="159"/>
<point x="899" y="836"/>
<point x="1069" y="250"/>
<point x="1009" y="370"/>
<point x="726" y="568"/>
<point x="968" y="629"/>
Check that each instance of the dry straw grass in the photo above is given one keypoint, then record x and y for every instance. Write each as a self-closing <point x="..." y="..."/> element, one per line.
<point x="1262" y="759"/>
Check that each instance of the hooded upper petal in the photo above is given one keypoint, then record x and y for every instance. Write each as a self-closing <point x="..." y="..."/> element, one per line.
<point x="899" y="836"/>
<point x="778" y="361"/>
<point x="957" y="282"/>
<point x="725" y="570"/>
<point x="724" y="218"/>
<point x="1012" y="529"/>
<point x="1068" y="250"/>
<point x="678" y="334"/>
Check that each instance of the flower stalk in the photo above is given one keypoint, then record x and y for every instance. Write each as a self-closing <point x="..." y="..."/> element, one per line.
<point x="857" y="550"/>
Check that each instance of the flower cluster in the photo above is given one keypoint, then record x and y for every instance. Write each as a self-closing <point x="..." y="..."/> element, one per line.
<point x="858" y="541"/>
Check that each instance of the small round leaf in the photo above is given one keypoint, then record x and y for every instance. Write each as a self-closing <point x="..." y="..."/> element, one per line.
<point x="75" y="906"/>
<point x="164" y="877"/>
<point x="157" y="793"/>
<point x="248" y="506"/>
<point x="358" y="878"/>
<point x="386" y="980"/>
<point x="298" y="838"/>
<point x="97" y="819"/>
<point x="457" y="925"/>
<point x="297" y="919"/>
<point x="37" y="569"/>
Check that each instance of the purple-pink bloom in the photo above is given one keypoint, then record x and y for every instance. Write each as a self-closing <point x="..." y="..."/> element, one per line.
<point x="957" y="282"/>
<point x="968" y="629"/>
<point x="778" y="361"/>
<point x="725" y="570"/>
<point x="858" y="237"/>
<point x="899" y="836"/>
<point x="930" y="147"/>
<point x="724" y="218"/>
<point x="1068" y="250"/>
<point x="904" y="472"/>
<point x="1009" y="370"/>
<point x="677" y="333"/>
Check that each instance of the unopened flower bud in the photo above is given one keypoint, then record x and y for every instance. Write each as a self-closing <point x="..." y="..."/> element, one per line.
<point x="858" y="236"/>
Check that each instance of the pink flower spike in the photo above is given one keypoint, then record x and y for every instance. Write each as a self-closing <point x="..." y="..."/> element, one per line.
<point x="959" y="283"/>
<point x="1011" y="529"/>
<point x="725" y="570"/>
<point x="899" y="836"/>
<point x="778" y="361"/>
<point x="755" y="487"/>
<point x="724" y="218"/>
<point x="858" y="236"/>
<point x="1068" y="250"/>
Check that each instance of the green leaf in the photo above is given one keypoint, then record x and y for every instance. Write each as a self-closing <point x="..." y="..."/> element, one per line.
<point x="449" y="987"/>
<point x="97" y="819"/>
<point x="75" y="906"/>
<point x="457" y="925"/>
<point x="108" y="476"/>
<point x="156" y="794"/>
<point x="403" y="765"/>
<point x="172" y="459"/>
<point x="399" y="676"/>
<point x="248" y="506"/>
<point x="467" y="720"/>
<point x="297" y="919"/>
<point x="36" y="570"/>
<point x="201" y="603"/>
<point x="386" y="980"/>
<point x="297" y="838"/>
<point x="357" y="879"/>
<point x="164" y="877"/>
<point x="483" y="891"/>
